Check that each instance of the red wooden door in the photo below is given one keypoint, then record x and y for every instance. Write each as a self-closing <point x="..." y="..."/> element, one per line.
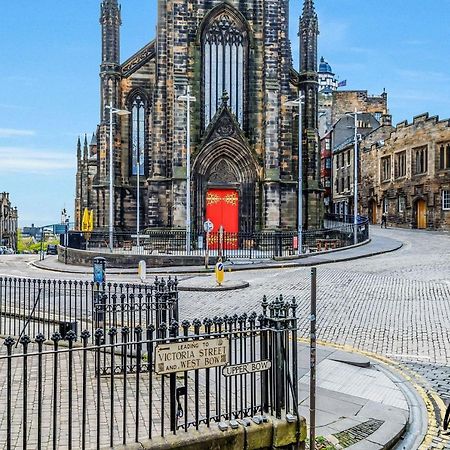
<point x="222" y="209"/>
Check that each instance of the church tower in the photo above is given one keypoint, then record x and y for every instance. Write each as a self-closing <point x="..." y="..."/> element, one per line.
<point x="234" y="58"/>
<point x="309" y="88"/>
<point x="110" y="71"/>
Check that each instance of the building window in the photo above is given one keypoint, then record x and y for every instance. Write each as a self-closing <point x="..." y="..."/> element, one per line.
<point x="400" y="164"/>
<point x="348" y="182"/>
<point x="328" y="163"/>
<point x="137" y="135"/>
<point x="446" y="200"/>
<point x="348" y="158"/>
<point x="420" y="164"/>
<point x="224" y="44"/>
<point x="401" y="204"/>
<point x="386" y="168"/>
<point x="444" y="156"/>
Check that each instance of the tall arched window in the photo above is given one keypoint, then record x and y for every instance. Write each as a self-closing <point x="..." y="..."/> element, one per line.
<point x="224" y="45"/>
<point x="137" y="135"/>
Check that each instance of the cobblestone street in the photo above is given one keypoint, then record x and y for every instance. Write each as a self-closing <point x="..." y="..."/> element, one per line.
<point x="394" y="305"/>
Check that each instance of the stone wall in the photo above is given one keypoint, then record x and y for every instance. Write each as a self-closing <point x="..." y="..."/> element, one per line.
<point x="348" y="101"/>
<point x="273" y="434"/>
<point x="85" y="258"/>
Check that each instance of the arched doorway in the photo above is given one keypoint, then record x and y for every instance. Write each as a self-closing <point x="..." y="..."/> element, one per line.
<point x="421" y="214"/>
<point x="373" y="212"/>
<point x="225" y="187"/>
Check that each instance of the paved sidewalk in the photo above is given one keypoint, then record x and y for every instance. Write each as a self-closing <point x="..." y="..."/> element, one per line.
<point x="359" y="405"/>
<point x="377" y="245"/>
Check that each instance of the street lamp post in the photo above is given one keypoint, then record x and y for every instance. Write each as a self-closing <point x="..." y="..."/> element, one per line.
<point x="119" y="112"/>
<point x="188" y="98"/>
<point x="355" y="177"/>
<point x="299" y="102"/>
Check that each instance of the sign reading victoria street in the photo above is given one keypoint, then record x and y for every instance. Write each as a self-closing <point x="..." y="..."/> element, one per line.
<point x="191" y="355"/>
<point x="243" y="369"/>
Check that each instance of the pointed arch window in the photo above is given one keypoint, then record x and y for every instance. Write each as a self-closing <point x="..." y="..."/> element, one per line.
<point x="225" y="50"/>
<point x="138" y="134"/>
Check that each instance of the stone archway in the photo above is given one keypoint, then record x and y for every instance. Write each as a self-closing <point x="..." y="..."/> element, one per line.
<point x="226" y="164"/>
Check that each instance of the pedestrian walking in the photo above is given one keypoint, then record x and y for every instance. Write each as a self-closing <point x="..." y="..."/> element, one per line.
<point x="384" y="220"/>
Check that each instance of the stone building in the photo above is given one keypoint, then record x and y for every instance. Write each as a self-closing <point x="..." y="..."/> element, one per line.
<point x="343" y="154"/>
<point x="8" y="222"/>
<point x="235" y="56"/>
<point x="335" y="104"/>
<point x="408" y="175"/>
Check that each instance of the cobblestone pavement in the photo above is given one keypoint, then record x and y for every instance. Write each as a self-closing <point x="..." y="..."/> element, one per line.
<point x="395" y="305"/>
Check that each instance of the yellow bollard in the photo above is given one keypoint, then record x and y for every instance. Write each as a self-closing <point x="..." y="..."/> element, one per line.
<point x="220" y="272"/>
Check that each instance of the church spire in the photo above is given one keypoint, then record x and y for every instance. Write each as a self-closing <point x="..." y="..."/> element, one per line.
<point x="79" y="149"/>
<point x="309" y="87"/>
<point x="110" y="20"/>
<point x="308" y="9"/>
<point x="85" y="147"/>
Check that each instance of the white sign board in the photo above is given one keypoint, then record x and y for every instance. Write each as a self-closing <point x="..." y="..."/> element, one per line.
<point x="191" y="355"/>
<point x="208" y="226"/>
<point x="243" y="369"/>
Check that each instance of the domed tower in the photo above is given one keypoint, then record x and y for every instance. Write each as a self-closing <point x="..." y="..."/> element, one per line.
<point x="327" y="79"/>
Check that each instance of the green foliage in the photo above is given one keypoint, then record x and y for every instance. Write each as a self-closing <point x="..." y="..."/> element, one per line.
<point x="322" y="444"/>
<point x="29" y="245"/>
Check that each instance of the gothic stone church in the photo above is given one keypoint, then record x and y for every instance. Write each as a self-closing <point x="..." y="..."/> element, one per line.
<point x="235" y="56"/>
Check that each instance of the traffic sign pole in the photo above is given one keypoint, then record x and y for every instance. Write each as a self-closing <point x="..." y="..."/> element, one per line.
<point x="208" y="226"/>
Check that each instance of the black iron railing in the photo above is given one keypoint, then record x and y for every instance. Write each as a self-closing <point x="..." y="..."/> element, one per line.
<point x="338" y="232"/>
<point x="32" y="306"/>
<point x="137" y="383"/>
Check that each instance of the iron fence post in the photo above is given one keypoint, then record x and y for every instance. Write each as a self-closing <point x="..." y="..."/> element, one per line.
<point x="40" y="338"/>
<point x="56" y="337"/>
<point x="173" y="332"/>
<point x="85" y="335"/>
<point x="264" y="349"/>
<point x="312" y="382"/>
<point x="70" y="337"/>
<point x="9" y="343"/>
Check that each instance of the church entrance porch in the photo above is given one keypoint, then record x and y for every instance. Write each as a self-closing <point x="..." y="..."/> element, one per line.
<point x="222" y="209"/>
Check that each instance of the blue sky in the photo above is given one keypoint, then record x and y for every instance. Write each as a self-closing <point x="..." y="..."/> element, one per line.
<point x="50" y="52"/>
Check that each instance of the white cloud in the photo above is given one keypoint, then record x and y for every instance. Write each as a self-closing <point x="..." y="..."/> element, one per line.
<point x="28" y="160"/>
<point x="13" y="132"/>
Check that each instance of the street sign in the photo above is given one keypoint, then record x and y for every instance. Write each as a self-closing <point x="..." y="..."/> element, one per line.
<point x="59" y="229"/>
<point x="208" y="226"/>
<point x="183" y="356"/>
<point x="244" y="369"/>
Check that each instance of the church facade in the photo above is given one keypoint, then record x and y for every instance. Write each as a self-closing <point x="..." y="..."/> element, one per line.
<point x="235" y="58"/>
